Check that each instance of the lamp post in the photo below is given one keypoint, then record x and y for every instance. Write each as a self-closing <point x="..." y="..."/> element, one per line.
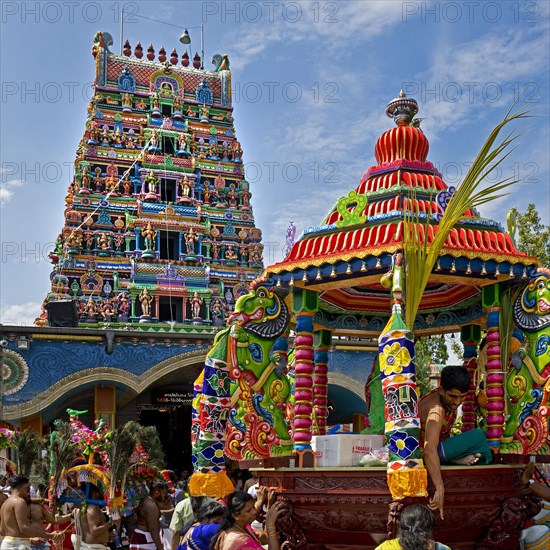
<point x="186" y="39"/>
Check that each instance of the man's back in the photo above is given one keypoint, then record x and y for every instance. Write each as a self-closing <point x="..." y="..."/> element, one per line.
<point x="11" y="507"/>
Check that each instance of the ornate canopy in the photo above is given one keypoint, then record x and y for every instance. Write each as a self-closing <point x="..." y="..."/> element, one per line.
<point x="346" y="256"/>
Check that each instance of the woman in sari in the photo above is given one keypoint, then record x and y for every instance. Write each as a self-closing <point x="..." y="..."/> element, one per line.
<point x="416" y="525"/>
<point x="200" y="534"/>
<point x="235" y="532"/>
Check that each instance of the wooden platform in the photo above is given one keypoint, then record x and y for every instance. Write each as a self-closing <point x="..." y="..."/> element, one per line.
<point x="347" y="508"/>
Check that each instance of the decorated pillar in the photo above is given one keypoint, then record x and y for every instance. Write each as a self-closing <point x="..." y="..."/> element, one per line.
<point x="180" y="245"/>
<point x="495" y="376"/>
<point x="406" y="473"/>
<point x="304" y="305"/>
<point x="469" y="336"/>
<point x="138" y="233"/>
<point x="322" y="341"/>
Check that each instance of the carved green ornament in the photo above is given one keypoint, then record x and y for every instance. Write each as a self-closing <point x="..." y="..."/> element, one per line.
<point x="351" y="216"/>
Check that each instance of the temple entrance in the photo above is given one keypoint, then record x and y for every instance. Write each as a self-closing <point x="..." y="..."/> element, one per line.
<point x="173" y="423"/>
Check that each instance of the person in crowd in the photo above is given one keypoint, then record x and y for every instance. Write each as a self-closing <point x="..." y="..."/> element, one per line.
<point x="146" y="536"/>
<point x="438" y="413"/>
<point x="166" y="512"/>
<point x="201" y="533"/>
<point x="253" y="482"/>
<point x="41" y="515"/>
<point x="235" y="533"/>
<point x="15" y="521"/>
<point x="185" y="514"/>
<point x="415" y="532"/>
<point x="179" y="493"/>
<point x="94" y="524"/>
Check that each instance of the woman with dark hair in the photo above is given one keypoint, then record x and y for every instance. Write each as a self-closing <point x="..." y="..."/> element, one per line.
<point x="415" y="531"/>
<point x="235" y="533"/>
<point x="199" y="535"/>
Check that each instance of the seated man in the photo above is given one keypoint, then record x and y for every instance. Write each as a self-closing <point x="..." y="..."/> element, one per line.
<point x="438" y="411"/>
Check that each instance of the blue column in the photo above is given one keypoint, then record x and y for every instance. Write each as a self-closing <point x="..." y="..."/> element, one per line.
<point x="157" y="249"/>
<point x="180" y="243"/>
<point x="199" y="251"/>
<point x="138" y="234"/>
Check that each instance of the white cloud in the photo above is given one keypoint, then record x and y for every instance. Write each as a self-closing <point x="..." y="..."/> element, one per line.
<point x="7" y="188"/>
<point x="19" y="314"/>
<point x="333" y="25"/>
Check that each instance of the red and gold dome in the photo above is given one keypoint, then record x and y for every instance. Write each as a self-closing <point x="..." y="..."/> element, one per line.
<point x="345" y="256"/>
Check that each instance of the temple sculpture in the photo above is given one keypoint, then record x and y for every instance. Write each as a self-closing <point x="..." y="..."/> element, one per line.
<point x="142" y="227"/>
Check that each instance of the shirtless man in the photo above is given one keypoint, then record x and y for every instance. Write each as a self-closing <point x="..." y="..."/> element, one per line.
<point x="438" y="411"/>
<point x="147" y="533"/>
<point x="95" y="526"/>
<point x="19" y="533"/>
<point x="40" y="516"/>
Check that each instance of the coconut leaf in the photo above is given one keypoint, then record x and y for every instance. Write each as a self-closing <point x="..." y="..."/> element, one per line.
<point x="420" y="255"/>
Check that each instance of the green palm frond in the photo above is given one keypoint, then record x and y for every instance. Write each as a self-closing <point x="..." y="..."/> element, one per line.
<point x="420" y="257"/>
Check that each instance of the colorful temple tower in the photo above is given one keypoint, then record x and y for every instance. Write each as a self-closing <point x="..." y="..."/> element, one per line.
<point x="158" y="222"/>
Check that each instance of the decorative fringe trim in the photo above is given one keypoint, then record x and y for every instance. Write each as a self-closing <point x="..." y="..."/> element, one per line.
<point x="213" y="485"/>
<point x="408" y="483"/>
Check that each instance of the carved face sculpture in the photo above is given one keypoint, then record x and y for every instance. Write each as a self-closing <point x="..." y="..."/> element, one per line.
<point x="532" y="308"/>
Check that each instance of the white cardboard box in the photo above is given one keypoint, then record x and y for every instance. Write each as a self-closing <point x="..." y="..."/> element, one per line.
<point x="343" y="449"/>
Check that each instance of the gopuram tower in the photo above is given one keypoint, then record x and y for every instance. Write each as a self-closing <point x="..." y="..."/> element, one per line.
<point x="158" y="222"/>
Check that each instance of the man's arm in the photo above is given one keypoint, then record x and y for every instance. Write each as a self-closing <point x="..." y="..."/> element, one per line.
<point x="54" y="520"/>
<point x="26" y="528"/>
<point x="434" y="422"/>
<point x="95" y="525"/>
<point x="151" y="513"/>
<point x="176" y="524"/>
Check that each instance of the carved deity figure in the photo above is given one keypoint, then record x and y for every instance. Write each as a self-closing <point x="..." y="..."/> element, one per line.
<point x="140" y="104"/>
<point x="149" y="235"/>
<point x="196" y="303"/>
<point x="151" y="182"/>
<point x="156" y="100"/>
<point x="177" y="103"/>
<point x="185" y="187"/>
<point x="153" y="139"/>
<point x="103" y="242"/>
<point x="89" y="309"/>
<point x="183" y="142"/>
<point x="126" y="99"/>
<point x="190" y="239"/>
<point x="256" y="255"/>
<point x="215" y="251"/>
<point x="230" y="253"/>
<point x="85" y="178"/>
<point x="145" y="299"/>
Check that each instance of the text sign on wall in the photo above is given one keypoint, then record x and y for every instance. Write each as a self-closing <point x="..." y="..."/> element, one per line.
<point x="172" y="398"/>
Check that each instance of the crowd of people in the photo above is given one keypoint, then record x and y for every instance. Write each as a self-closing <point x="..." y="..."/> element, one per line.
<point x="167" y="518"/>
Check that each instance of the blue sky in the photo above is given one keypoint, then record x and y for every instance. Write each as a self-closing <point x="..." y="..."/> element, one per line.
<point x="311" y="83"/>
